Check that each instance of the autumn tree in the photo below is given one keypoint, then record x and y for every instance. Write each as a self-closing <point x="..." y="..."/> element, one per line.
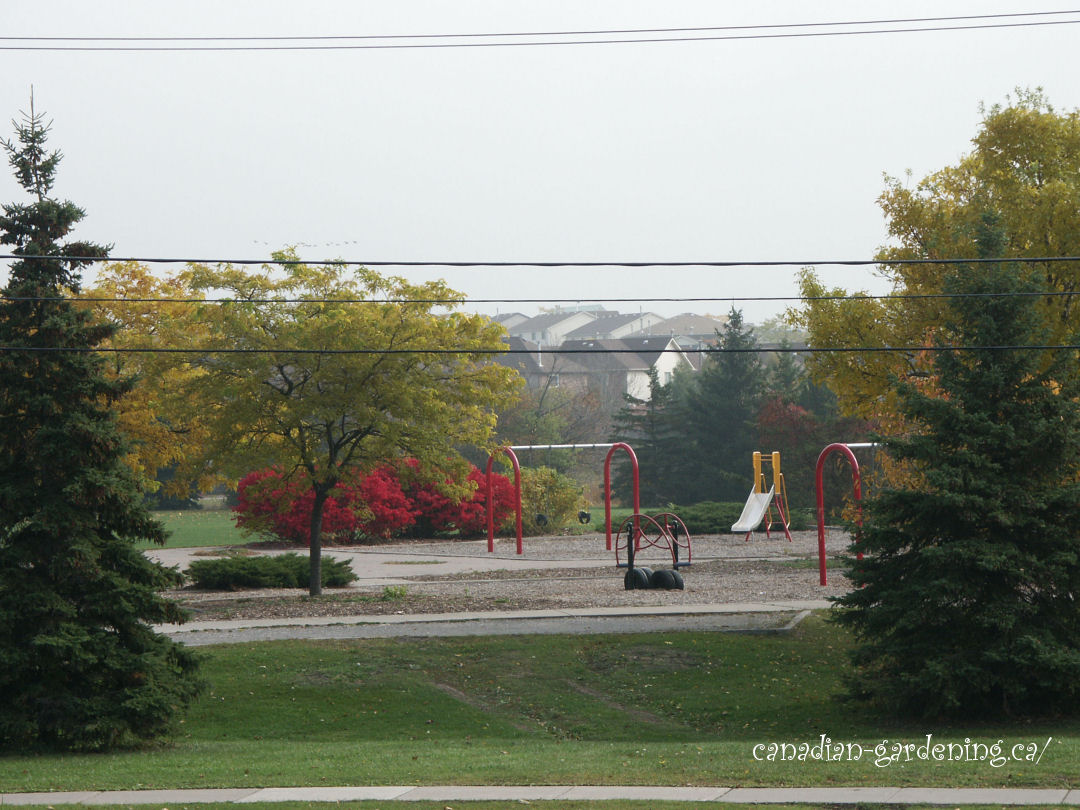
<point x="325" y="369"/>
<point x="82" y="666"/>
<point x="965" y="604"/>
<point x="1026" y="164"/>
<point x="153" y="318"/>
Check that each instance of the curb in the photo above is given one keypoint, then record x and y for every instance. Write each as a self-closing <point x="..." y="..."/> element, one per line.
<point x="512" y="793"/>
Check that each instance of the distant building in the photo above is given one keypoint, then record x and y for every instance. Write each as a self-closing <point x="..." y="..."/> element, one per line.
<point x="610" y="367"/>
<point x="616" y="325"/>
<point x="550" y="328"/>
<point x="510" y="319"/>
<point x="692" y="331"/>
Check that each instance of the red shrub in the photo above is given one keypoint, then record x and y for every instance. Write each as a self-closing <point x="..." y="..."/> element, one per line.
<point x="438" y="513"/>
<point x="374" y="505"/>
<point x="386" y="510"/>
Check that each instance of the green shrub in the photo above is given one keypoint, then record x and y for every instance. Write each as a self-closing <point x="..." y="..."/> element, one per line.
<point x="547" y="492"/>
<point x="280" y="571"/>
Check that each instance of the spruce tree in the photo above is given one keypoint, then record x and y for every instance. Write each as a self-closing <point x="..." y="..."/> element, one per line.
<point x="650" y="429"/>
<point x="721" y="412"/>
<point x="967" y="603"/>
<point x="82" y="669"/>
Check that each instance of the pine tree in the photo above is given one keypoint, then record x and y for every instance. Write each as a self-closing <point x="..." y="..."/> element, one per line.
<point x="721" y="413"/>
<point x="967" y="603"/>
<point x="82" y="668"/>
<point x="648" y="426"/>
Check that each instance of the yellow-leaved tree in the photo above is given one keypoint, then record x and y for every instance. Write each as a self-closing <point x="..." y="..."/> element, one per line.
<point x="155" y="322"/>
<point x="327" y="370"/>
<point x="1024" y="170"/>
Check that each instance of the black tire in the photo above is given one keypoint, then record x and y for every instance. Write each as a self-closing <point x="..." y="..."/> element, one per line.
<point x="636" y="579"/>
<point x="662" y="580"/>
<point x="677" y="583"/>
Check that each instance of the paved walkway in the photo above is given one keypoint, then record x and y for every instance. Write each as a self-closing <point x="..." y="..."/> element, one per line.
<point x="776" y="616"/>
<point x="522" y="794"/>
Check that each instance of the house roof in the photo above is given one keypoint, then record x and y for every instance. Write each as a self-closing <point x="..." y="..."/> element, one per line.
<point x="611" y="354"/>
<point x="688" y="323"/>
<point x="509" y="319"/>
<point x="544" y="321"/>
<point x="524" y="355"/>
<point x="606" y="323"/>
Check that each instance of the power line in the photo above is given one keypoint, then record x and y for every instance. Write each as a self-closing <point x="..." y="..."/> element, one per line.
<point x="543" y="264"/>
<point x="466" y="300"/>
<point x="509" y="34"/>
<point x="533" y="352"/>
<point x="353" y="46"/>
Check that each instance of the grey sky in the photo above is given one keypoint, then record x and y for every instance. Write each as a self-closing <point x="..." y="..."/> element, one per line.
<point x="713" y="151"/>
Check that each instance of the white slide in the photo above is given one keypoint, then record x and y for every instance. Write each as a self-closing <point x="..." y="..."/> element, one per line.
<point x="756" y="506"/>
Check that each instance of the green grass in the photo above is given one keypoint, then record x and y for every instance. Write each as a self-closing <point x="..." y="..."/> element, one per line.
<point x="607" y="804"/>
<point x="675" y="709"/>
<point x="194" y="528"/>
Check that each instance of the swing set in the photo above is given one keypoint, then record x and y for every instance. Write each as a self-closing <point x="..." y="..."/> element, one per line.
<point x="511" y="453"/>
<point x="661" y="531"/>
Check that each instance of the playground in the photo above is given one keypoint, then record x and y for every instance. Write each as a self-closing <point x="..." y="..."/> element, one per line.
<point x="647" y="561"/>
<point x="553" y="572"/>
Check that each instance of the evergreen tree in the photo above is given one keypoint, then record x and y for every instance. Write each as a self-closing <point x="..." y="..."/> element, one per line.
<point x="721" y="413"/>
<point x="967" y="601"/>
<point x="82" y="668"/>
<point x="649" y="428"/>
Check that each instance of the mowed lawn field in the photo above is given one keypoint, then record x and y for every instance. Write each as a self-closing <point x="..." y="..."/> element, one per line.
<point x="663" y="709"/>
<point x="192" y="528"/>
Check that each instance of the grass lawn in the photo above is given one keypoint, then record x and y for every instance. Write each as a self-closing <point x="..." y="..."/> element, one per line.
<point x="543" y="805"/>
<point x="668" y="709"/>
<point x="198" y="527"/>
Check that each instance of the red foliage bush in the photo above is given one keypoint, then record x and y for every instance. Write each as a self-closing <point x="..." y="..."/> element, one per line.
<point x="268" y="502"/>
<point x="437" y="513"/>
<point x="385" y="508"/>
<point x="372" y="505"/>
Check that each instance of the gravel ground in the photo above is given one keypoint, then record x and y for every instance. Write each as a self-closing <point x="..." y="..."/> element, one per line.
<point x="725" y="569"/>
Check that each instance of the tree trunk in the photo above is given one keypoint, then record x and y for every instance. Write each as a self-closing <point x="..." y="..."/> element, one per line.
<point x="315" y="582"/>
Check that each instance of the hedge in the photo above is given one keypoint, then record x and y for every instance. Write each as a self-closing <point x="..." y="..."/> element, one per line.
<point x="715" y="517"/>
<point x="281" y="571"/>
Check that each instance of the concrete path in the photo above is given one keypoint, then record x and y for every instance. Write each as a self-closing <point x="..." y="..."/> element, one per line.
<point x="376" y="567"/>
<point x="524" y="794"/>
<point x="767" y="617"/>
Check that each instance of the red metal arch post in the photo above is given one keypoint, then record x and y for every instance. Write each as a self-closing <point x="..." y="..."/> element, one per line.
<point x="491" y="498"/>
<point x="845" y="449"/>
<point x="607" y="487"/>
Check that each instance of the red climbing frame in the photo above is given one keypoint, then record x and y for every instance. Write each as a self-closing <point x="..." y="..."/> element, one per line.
<point x="845" y="449"/>
<point x="517" y="484"/>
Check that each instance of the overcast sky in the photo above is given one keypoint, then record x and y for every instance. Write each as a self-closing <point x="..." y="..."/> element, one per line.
<point x="748" y="150"/>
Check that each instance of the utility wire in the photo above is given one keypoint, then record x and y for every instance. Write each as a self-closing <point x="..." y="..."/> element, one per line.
<point x="446" y="301"/>
<point x="554" y="264"/>
<point x="531" y="43"/>
<point x="545" y="350"/>
<point x="508" y="34"/>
